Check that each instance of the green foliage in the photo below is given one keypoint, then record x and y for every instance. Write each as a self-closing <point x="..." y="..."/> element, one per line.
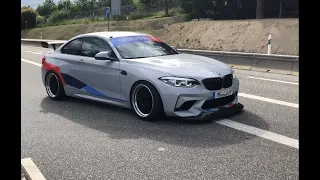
<point x="40" y="20"/>
<point x="64" y="4"/>
<point x="28" y="18"/>
<point x="47" y="8"/>
<point x="59" y="15"/>
<point x="235" y="9"/>
<point x="86" y="11"/>
<point x="72" y="11"/>
<point x="127" y="2"/>
<point x="138" y="4"/>
<point x="103" y="3"/>
<point x="175" y="11"/>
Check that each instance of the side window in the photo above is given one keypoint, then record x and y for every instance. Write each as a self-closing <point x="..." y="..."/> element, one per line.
<point x="92" y="46"/>
<point x="73" y="47"/>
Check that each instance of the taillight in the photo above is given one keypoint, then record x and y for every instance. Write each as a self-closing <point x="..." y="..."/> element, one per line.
<point x="43" y="59"/>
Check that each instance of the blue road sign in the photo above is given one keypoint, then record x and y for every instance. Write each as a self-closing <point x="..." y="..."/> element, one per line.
<point x="107" y="12"/>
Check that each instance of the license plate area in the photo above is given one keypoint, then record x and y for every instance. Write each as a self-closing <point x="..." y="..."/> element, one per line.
<point x="223" y="93"/>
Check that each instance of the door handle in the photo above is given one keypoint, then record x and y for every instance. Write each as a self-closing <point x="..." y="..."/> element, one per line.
<point x="81" y="61"/>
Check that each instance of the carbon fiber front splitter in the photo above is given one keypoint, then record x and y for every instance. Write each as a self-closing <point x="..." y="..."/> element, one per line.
<point x="220" y="113"/>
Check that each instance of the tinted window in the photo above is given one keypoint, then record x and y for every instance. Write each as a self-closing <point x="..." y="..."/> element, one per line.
<point x="92" y="46"/>
<point x="73" y="47"/>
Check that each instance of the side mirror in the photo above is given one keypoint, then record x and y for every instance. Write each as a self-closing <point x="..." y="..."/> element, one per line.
<point x="105" y="55"/>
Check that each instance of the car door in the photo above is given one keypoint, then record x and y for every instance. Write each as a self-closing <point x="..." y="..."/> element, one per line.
<point x="70" y="64"/>
<point x="102" y="77"/>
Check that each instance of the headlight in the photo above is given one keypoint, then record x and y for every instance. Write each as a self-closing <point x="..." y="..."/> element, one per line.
<point x="179" y="82"/>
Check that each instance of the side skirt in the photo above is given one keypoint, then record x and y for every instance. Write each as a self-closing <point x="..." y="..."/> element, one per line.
<point x="107" y="101"/>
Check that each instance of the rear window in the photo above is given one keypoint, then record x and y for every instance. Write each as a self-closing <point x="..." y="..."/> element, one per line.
<point x="73" y="47"/>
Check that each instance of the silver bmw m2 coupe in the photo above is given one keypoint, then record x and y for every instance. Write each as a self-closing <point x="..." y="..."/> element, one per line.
<point x="141" y="72"/>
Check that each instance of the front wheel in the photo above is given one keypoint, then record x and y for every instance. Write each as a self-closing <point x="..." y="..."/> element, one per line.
<point x="54" y="86"/>
<point x="146" y="101"/>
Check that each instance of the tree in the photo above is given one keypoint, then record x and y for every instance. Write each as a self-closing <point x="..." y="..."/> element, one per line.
<point x="26" y="7"/>
<point x="259" y="9"/>
<point x="166" y="9"/>
<point x="47" y="8"/>
<point x="81" y="5"/>
<point x="28" y="18"/>
<point x="64" y="4"/>
<point x="104" y="3"/>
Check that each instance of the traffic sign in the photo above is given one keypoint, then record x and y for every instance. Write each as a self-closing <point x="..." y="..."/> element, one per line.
<point x="107" y="12"/>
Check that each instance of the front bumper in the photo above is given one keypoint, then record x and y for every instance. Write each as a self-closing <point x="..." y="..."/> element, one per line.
<point x="198" y="102"/>
<point x="221" y="112"/>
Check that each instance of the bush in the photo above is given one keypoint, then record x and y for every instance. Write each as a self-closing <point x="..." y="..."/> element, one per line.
<point x="28" y="18"/>
<point x="59" y="15"/>
<point x="40" y="20"/>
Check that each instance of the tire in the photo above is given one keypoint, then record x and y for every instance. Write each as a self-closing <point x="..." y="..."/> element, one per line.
<point x="146" y="101"/>
<point x="54" y="87"/>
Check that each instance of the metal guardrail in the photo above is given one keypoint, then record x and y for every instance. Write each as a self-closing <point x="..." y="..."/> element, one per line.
<point x="274" y="57"/>
<point x="46" y="43"/>
<point x="41" y="40"/>
<point x="285" y="64"/>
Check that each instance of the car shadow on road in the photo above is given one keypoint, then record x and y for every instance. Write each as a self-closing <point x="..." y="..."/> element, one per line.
<point x="121" y="123"/>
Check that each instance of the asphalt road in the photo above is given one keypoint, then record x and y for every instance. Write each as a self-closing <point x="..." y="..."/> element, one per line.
<point x="79" y="139"/>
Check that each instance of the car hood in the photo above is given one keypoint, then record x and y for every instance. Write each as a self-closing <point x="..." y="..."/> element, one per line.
<point x="185" y="65"/>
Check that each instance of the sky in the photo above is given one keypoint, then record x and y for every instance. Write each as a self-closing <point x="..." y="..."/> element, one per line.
<point x="33" y="3"/>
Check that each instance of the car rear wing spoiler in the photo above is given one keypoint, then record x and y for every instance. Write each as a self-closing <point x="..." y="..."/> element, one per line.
<point x="52" y="44"/>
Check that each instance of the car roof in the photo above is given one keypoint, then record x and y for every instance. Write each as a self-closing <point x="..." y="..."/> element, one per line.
<point x="112" y="34"/>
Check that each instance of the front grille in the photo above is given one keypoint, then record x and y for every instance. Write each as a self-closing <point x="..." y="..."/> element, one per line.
<point x="212" y="83"/>
<point x="227" y="81"/>
<point x="185" y="106"/>
<point x="214" y="103"/>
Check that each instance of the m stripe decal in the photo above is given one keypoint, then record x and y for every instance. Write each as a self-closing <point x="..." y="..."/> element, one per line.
<point x="71" y="81"/>
<point x="93" y="91"/>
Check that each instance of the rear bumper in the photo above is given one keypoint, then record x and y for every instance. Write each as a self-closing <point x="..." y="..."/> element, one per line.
<point x="43" y="75"/>
<point x="221" y="112"/>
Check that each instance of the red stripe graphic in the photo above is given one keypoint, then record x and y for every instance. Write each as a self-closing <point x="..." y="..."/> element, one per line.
<point x="155" y="39"/>
<point x="56" y="69"/>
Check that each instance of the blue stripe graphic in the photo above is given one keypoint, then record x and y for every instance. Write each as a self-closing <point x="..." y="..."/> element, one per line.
<point x="93" y="91"/>
<point x="71" y="81"/>
<point x="128" y="39"/>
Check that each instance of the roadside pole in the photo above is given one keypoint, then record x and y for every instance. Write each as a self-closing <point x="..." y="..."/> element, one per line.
<point x="269" y="44"/>
<point x="107" y="15"/>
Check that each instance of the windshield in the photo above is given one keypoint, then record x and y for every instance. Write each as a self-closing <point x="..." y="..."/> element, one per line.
<point x="133" y="47"/>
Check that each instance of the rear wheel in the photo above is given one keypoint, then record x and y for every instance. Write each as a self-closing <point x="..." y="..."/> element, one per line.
<point x="146" y="101"/>
<point x="54" y="86"/>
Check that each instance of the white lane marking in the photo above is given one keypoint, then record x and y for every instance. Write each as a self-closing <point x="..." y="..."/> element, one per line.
<point x="31" y="62"/>
<point x="265" y="79"/>
<point x="33" y="52"/>
<point x="32" y="169"/>
<point x="261" y="133"/>
<point x="274" y="101"/>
